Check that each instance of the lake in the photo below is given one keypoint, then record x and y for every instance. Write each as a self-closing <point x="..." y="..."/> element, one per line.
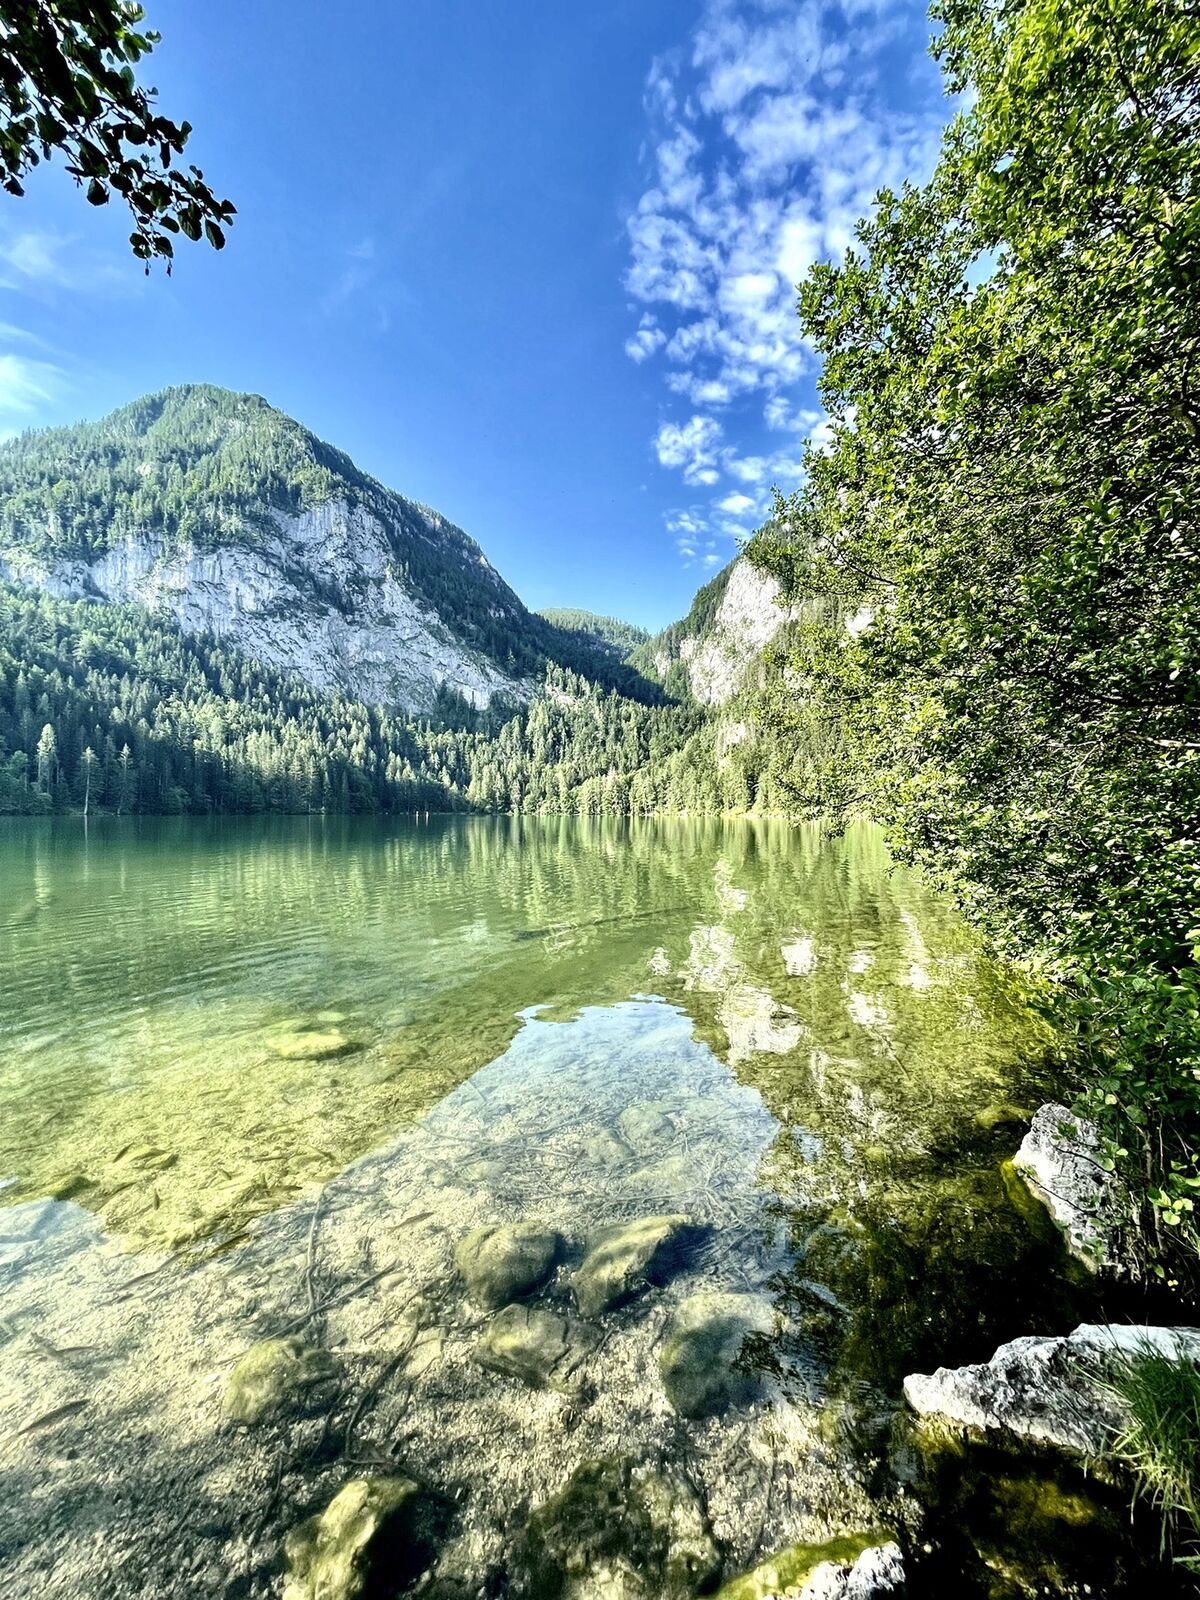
<point x="260" y="1078"/>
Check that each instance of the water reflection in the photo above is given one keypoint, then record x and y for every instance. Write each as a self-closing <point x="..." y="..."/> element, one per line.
<point x="777" y="1041"/>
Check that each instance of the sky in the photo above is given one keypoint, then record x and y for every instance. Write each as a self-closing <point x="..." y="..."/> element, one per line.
<point x="532" y="264"/>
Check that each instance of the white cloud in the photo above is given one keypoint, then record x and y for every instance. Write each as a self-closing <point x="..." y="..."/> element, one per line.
<point x="769" y="136"/>
<point x="692" y="447"/>
<point x="736" y="504"/>
<point x="26" y="385"/>
<point x="36" y="259"/>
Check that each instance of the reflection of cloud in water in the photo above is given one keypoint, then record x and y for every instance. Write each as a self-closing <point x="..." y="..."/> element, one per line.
<point x="867" y="1010"/>
<point x="799" y="957"/>
<point x="756" y="1024"/>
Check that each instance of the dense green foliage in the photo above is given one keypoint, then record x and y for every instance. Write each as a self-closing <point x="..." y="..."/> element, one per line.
<point x="201" y="466"/>
<point x="1011" y="492"/>
<point x="621" y="637"/>
<point x="112" y="704"/>
<point x="67" y="84"/>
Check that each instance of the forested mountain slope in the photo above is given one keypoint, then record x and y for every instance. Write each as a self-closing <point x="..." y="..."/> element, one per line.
<point x="233" y="519"/>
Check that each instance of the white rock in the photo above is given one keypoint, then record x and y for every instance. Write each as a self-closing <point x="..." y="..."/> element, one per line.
<point x="361" y="630"/>
<point x="877" y="1573"/>
<point x="1059" y="1159"/>
<point x="1044" y="1389"/>
<point x="745" y="622"/>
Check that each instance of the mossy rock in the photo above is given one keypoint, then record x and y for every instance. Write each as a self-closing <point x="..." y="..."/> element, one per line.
<point x="375" y="1539"/>
<point x="701" y="1361"/>
<point x="792" y="1568"/>
<point x="1002" y="1114"/>
<point x="274" y="1376"/>
<point x="312" y="1044"/>
<point x="499" y="1264"/>
<point x="617" y="1528"/>
<point x="620" y="1261"/>
<point x="538" y="1347"/>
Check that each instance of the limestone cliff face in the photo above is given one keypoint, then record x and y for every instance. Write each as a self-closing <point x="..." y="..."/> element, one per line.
<point x="718" y="646"/>
<point x="322" y="595"/>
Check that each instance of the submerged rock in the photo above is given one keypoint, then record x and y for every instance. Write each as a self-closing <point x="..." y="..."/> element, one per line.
<point x="1001" y="1114"/>
<point x="273" y="1376"/>
<point x="647" y="1123"/>
<point x="622" y="1260"/>
<point x="848" y="1568"/>
<point x="375" y="1537"/>
<point x="1059" y="1159"/>
<point x="499" y="1264"/>
<point x="540" y="1348"/>
<point x="312" y="1044"/>
<point x="1046" y="1390"/>
<point x="700" y="1360"/>
<point x="617" y="1531"/>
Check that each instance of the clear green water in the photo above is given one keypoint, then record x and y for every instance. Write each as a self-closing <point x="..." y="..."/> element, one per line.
<point x="777" y="1035"/>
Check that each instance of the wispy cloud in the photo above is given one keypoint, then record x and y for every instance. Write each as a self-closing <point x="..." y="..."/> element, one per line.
<point x="27" y="385"/>
<point x="33" y="260"/>
<point x="770" y="134"/>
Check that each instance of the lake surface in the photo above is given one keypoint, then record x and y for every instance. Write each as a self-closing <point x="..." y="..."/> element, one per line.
<point x="259" y="1079"/>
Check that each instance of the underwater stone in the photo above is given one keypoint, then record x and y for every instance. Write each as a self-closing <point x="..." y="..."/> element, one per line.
<point x="311" y="1044"/>
<point x="617" y="1531"/>
<point x="699" y="1360"/>
<point x="645" y="1124"/>
<point x="539" y="1348"/>
<point x="1001" y="1114"/>
<point x="621" y="1260"/>
<point x="272" y="1376"/>
<point x="375" y="1537"/>
<point x="1059" y="1159"/>
<point x="1048" y="1390"/>
<point x="500" y="1264"/>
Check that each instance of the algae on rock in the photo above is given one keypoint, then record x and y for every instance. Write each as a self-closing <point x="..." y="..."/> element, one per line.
<point x="375" y="1537"/>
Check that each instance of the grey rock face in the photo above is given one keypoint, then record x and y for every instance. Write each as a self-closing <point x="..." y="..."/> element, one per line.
<point x="699" y="1361"/>
<point x="621" y="1260"/>
<point x="746" y="621"/>
<point x="539" y="1348"/>
<point x="877" y="1574"/>
<point x="1044" y="1389"/>
<point x="500" y="1264"/>
<point x="376" y="1536"/>
<point x="363" y="629"/>
<point x="1059" y="1159"/>
<point x="273" y="1376"/>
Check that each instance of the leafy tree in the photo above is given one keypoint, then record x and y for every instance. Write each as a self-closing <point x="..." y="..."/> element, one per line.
<point x="1007" y="514"/>
<point x="67" y="83"/>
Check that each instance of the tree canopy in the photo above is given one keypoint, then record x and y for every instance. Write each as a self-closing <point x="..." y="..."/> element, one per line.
<point x="1008" y="514"/>
<point x="67" y="84"/>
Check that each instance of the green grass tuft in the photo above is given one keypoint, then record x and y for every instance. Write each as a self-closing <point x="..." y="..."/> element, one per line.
<point x="1160" y="1442"/>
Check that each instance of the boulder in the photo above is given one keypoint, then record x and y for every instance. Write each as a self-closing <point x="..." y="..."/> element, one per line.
<point x="617" y="1531"/>
<point x="376" y="1536"/>
<point x="1045" y="1390"/>
<point x="1059" y="1159"/>
<point x="646" y="1123"/>
<point x="700" y="1359"/>
<point x="275" y="1375"/>
<point x="851" y="1567"/>
<point x="312" y="1044"/>
<point x="540" y="1348"/>
<point x="622" y="1260"/>
<point x="500" y="1264"/>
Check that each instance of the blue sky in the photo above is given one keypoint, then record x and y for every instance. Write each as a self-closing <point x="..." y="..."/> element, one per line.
<point x="531" y="264"/>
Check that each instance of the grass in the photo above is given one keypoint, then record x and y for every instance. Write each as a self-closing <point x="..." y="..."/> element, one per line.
<point x="1159" y="1441"/>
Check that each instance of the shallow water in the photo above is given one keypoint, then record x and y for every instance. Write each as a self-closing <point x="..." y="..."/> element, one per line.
<point x="260" y="1078"/>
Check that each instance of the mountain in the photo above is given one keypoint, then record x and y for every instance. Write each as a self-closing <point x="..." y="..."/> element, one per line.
<point x="713" y="653"/>
<point x="217" y="510"/>
<point x="620" y="638"/>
